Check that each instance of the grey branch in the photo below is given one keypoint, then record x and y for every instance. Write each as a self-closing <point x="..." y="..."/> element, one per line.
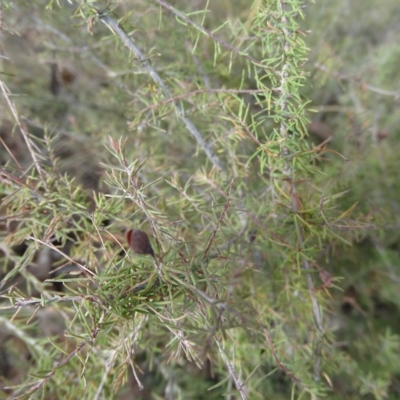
<point x="205" y="31"/>
<point x="25" y="134"/>
<point x="131" y="45"/>
<point x="238" y="383"/>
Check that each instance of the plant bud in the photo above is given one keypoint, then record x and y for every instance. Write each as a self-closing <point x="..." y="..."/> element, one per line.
<point x="139" y="242"/>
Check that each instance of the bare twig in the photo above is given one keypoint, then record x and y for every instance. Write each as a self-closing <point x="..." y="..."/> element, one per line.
<point x="21" y="334"/>
<point x="284" y="95"/>
<point x="280" y="365"/>
<point x="1" y="16"/>
<point x="11" y="154"/>
<point x="109" y="365"/>
<point x="226" y="206"/>
<point x="311" y="290"/>
<point x="205" y="31"/>
<point x="86" y="271"/>
<point x="131" y="45"/>
<point x="201" y="91"/>
<point x="358" y="82"/>
<point x="239" y="385"/>
<point x="29" y="143"/>
<point x="40" y="382"/>
<point x="53" y="300"/>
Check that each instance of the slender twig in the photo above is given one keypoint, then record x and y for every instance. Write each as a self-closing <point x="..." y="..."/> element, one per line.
<point x="226" y="206"/>
<point x="201" y="91"/>
<point x="53" y="300"/>
<point x="239" y="385"/>
<point x="1" y="16"/>
<point x="29" y="143"/>
<point x="40" y="382"/>
<point x="288" y="171"/>
<point x="131" y="45"/>
<point x="311" y="289"/>
<point x="21" y="334"/>
<point x="280" y="365"/>
<point x="109" y="365"/>
<point x="306" y="265"/>
<point x="51" y="246"/>
<point x="205" y="31"/>
<point x="363" y="85"/>
<point x="11" y="154"/>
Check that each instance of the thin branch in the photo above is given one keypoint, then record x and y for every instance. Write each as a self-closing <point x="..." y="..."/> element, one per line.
<point x="87" y="272"/>
<point x="226" y="206"/>
<point x="363" y="85"/>
<point x="109" y="365"/>
<point x="205" y="31"/>
<point x="22" y="335"/>
<point x="307" y="268"/>
<point x="1" y="16"/>
<point x="11" y="154"/>
<point x="280" y="365"/>
<point x="40" y="382"/>
<point x="239" y="385"/>
<point x="29" y="143"/>
<point x="311" y="290"/>
<point x="284" y="95"/>
<point x="55" y="299"/>
<point x="201" y="91"/>
<point x="131" y="45"/>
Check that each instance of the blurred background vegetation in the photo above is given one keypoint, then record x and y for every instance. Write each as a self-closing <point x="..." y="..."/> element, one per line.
<point x="232" y="315"/>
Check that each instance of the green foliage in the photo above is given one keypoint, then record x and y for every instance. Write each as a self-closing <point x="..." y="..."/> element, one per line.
<point x="192" y="122"/>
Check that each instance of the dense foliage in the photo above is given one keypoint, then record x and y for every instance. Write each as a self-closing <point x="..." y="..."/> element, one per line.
<point x="255" y="144"/>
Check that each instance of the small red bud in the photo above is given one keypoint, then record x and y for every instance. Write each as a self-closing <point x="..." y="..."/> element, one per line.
<point x="139" y="242"/>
